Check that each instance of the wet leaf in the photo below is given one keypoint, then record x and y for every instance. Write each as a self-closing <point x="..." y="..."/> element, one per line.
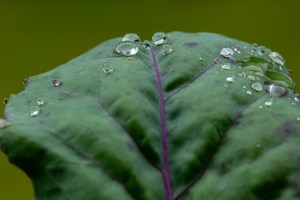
<point x="152" y="121"/>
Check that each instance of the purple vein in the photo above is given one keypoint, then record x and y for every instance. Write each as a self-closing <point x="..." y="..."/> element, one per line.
<point x="164" y="140"/>
<point x="237" y="117"/>
<point x="216" y="61"/>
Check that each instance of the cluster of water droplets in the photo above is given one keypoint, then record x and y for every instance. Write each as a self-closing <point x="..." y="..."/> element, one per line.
<point x="131" y="42"/>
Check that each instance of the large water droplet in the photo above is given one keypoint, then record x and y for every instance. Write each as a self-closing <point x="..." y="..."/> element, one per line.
<point x="275" y="90"/>
<point x="127" y="49"/>
<point x="35" y="110"/>
<point x="226" y="66"/>
<point x="256" y="86"/>
<point x="159" y="38"/>
<point x="226" y="52"/>
<point x="56" y="82"/>
<point x="4" y="123"/>
<point x="166" y="49"/>
<point x="255" y="69"/>
<point x="280" y="78"/>
<point x="131" y="37"/>
<point x="276" y="58"/>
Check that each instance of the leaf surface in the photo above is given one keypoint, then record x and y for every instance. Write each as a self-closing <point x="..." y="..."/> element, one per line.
<point x="215" y="119"/>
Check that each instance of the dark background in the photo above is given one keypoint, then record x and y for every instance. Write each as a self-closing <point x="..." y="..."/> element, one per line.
<point x="36" y="36"/>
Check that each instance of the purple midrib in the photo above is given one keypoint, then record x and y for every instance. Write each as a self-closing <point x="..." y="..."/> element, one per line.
<point x="164" y="139"/>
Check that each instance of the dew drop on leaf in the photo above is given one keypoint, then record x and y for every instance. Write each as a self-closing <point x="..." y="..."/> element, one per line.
<point x="275" y="90"/>
<point x="237" y="50"/>
<point x="226" y="66"/>
<point x="12" y="96"/>
<point x="298" y="118"/>
<point x="268" y="103"/>
<point x="34" y="111"/>
<point x="166" y="49"/>
<point x="296" y="99"/>
<point x="40" y="101"/>
<point x="251" y="77"/>
<point x="159" y="38"/>
<point x="226" y="52"/>
<point x="230" y="79"/>
<point x="276" y="58"/>
<point x="131" y="37"/>
<point x="107" y="68"/>
<point x="56" y="82"/>
<point x="201" y="58"/>
<point x="248" y="92"/>
<point x="4" y="123"/>
<point x="127" y="49"/>
<point x="146" y="44"/>
<point x="256" y="86"/>
<point x="5" y="100"/>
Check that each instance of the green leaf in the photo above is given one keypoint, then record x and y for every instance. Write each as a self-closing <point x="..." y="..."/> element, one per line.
<point x="180" y="119"/>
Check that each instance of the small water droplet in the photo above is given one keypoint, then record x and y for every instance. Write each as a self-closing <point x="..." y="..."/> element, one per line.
<point x="4" y="123"/>
<point x="276" y="58"/>
<point x="201" y="58"/>
<point x="226" y="52"/>
<point x="5" y="100"/>
<point x="12" y="96"/>
<point x="40" y="101"/>
<point x="56" y="82"/>
<point x="251" y="77"/>
<point x="230" y="79"/>
<point x="296" y="99"/>
<point x="275" y="90"/>
<point x="166" y="49"/>
<point x="298" y="118"/>
<point x="131" y="37"/>
<point x="260" y="107"/>
<point x="256" y="86"/>
<point x="159" y="38"/>
<point x="35" y="110"/>
<point x="107" y="68"/>
<point x="237" y="50"/>
<point x="248" y="92"/>
<point x="126" y="49"/>
<point x="25" y="81"/>
<point x="268" y="103"/>
<point x="226" y="66"/>
<point x="146" y="44"/>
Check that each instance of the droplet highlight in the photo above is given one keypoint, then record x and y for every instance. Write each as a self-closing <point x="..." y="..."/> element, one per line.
<point x="159" y="38"/>
<point x="230" y="79"/>
<point x="275" y="90"/>
<point x="226" y="66"/>
<point x="35" y="111"/>
<point x="276" y="58"/>
<point x="146" y="44"/>
<point x="127" y="49"/>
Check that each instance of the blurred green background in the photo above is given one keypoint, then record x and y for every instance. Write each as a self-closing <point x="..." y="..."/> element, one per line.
<point x="36" y="36"/>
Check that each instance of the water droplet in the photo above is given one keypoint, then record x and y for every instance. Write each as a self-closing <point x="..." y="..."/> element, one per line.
<point x="296" y="99"/>
<point x="25" y="81"/>
<point x="108" y="70"/>
<point x="131" y="37"/>
<point x="35" y="110"/>
<point x="230" y="79"/>
<point x="260" y="107"/>
<point x="280" y="78"/>
<point x="298" y="118"/>
<point x="226" y="52"/>
<point x="276" y="58"/>
<point x="256" y="86"/>
<point x="126" y="49"/>
<point x="248" y="92"/>
<point x="251" y="77"/>
<point x="268" y="103"/>
<point x="159" y="38"/>
<point x="146" y="44"/>
<point x="237" y="50"/>
<point x="226" y="66"/>
<point x="255" y="69"/>
<point x="4" y="123"/>
<point x="5" y="100"/>
<point x="201" y="58"/>
<point x="12" y="96"/>
<point x="275" y="90"/>
<point x="56" y="82"/>
<point x="166" y="49"/>
<point x="40" y="101"/>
